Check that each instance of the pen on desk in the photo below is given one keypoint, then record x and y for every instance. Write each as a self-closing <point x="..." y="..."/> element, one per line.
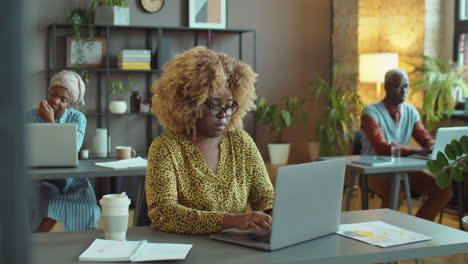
<point x="112" y="245"/>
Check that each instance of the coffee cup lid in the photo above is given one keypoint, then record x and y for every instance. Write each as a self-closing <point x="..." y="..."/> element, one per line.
<point x="114" y="199"/>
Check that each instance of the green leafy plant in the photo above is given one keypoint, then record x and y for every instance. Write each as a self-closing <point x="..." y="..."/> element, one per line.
<point x="97" y="3"/>
<point x="438" y="82"/>
<point x="120" y="88"/>
<point x="277" y="118"/>
<point x="81" y="21"/>
<point x="455" y="151"/>
<point x="337" y="123"/>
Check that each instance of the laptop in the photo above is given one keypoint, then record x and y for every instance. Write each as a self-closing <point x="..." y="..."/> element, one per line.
<point x="307" y="205"/>
<point x="51" y="145"/>
<point x="443" y="137"/>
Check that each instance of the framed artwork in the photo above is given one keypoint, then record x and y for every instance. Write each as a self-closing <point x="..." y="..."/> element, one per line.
<point x="207" y="13"/>
<point x="86" y="52"/>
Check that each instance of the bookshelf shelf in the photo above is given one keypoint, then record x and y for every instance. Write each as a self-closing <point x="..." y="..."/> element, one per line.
<point x="103" y="76"/>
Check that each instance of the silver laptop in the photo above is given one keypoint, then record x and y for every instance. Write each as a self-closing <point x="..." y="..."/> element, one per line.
<point x="51" y="145"/>
<point x="307" y="205"/>
<point x="443" y="137"/>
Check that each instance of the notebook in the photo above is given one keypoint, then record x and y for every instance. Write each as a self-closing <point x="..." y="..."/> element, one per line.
<point x="102" y="250"/>
<point x="443" y="137"/>
<point x="51" y="145"/>
<point x="374" y="161"/>
<point x="300" y="213"/>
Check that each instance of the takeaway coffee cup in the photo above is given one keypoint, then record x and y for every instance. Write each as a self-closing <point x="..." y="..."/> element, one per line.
<point x="465" y="223"/>
<point x="125" y="152"/>
<point x="115" y="215"/>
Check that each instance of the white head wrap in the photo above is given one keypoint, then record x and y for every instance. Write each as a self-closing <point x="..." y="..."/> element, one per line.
<point x="72" y="82"/>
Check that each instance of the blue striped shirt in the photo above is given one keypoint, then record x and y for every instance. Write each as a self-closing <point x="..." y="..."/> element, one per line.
<point x="71" y="201"/>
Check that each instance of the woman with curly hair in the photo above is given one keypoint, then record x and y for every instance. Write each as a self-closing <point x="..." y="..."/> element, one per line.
<point x="204" y="170"/>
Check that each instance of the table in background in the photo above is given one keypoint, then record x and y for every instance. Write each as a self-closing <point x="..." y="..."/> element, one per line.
<point x="62" y="247"/>
<point x="87" y="169"/>
<point x="398" y="169"/>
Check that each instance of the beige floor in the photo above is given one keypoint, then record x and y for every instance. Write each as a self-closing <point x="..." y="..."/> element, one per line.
<point x="449" y="219"/>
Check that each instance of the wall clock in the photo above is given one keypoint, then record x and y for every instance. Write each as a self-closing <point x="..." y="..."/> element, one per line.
<point x="152" y="6"/>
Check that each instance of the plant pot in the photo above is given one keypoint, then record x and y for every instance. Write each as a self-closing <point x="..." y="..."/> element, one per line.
<point x="118" y="107"/>
<point x="314" y="148"/>
<point x="112" y="15"/>
<point x="279" y="153"/>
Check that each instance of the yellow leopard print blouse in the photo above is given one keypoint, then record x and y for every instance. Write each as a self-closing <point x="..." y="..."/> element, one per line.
<point x="185" y="196"/>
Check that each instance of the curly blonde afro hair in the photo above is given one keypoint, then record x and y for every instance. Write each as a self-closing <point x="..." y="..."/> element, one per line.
<point x="191" y="78"/>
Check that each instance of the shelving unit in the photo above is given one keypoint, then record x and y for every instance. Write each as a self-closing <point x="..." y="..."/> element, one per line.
<point x="56" y="63"/>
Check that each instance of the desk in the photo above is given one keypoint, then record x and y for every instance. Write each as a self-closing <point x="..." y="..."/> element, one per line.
<point x="398" y="168"/>
<point x="66" y="247"/>
<point x="87" y="169"/>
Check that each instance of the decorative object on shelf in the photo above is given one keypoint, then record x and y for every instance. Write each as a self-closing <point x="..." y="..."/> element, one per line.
<point x="441" y="84"/>
<point x="337" y="123"/>
<point x="279" y="119"/>
<point x="81" y="22"/>
<point x="145" y="106"/>
<point x="91" y="56"/>
<point x="111" y="12"/>
<point x="207" y="13"/>
<point x="451" y="164"/>
<point x="152" y="6"/>
<point x="118" y="89"/>
<point x="135" y="101"/>
<point x="134" y="59"/>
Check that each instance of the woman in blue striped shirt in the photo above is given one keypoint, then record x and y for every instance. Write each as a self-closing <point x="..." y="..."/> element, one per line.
<point x="71" y="201"/>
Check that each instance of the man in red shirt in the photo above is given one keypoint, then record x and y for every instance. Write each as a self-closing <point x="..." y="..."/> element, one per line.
<point x="392" y="122"/>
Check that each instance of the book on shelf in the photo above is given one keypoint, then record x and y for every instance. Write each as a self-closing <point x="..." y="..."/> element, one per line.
<point x="134" y="64"/>
<point x="374" y="161"/>
<point x="104" y="250"/>
<point x="135" y="52"/>
<point x="134" y="59"/>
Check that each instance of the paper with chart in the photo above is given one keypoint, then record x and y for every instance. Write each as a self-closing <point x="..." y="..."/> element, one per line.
<point x="380" y="234"/>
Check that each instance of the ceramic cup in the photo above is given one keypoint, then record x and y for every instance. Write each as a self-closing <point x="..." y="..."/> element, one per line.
<point x="125" y="152"/>
<point x="115" y="215"/>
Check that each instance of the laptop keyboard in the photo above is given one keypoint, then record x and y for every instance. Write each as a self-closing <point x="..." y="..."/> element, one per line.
<point x="262" y="237"/>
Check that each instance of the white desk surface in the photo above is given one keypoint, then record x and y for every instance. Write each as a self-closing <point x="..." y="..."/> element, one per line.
<point x="85" y="169"/>
<point x="67" y="246"/>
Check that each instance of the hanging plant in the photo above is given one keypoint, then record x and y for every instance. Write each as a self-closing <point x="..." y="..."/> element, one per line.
<point x="81" y="21"/>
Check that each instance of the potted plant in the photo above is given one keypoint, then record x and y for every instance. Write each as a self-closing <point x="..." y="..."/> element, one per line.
<point x="118" y="105"/>
<point x="278" y="119"/>
<point x="337" y="123"/>
<point x="81" y="22"/>
<point x="455" y="168"/>
<point x="440" y="84"/>
<point x="111" y="12"/>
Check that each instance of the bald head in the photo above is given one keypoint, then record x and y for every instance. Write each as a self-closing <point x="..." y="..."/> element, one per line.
<point x="396" y="87"/>
<point x="395" y="73"/>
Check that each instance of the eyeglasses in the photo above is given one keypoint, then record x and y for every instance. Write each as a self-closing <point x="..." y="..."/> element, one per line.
<point x="216" y="110"/>
<point x="399" y="86"/>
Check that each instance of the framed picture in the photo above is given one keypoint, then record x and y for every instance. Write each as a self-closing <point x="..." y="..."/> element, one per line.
<point x="207" y="13"/>
<point x="86" y="52"/>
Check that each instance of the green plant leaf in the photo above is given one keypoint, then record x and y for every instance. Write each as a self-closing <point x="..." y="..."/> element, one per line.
<point x="434" y="166"/>
<point x="457" y="174"/>
<point x="457" y="146"/>
<point x="287" y="119"/>
<point x="442" y="159"/>
<point x="450" y="152"/>
<point x="464" y="144"/>
<point x="442" y="180"/>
